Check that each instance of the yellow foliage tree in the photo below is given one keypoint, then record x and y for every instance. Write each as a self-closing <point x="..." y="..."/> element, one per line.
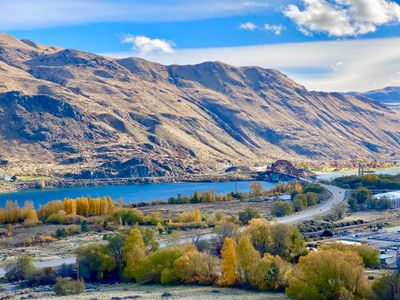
<point x="229" y="262"/>
<point x="134" y="252"/>
<point x="329" y="274"/>
<point x="248" y="258"/>
<point x="30" y="215"/>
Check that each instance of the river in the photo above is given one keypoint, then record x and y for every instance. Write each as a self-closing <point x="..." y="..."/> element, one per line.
<point x="130" y="193"/>
<point x="333" y="175"/>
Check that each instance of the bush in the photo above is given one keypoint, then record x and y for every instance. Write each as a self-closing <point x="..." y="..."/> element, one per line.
<point x="387" y="287"/>
<point x="281" y="209"/>
<point x="60" y="233"/>
<point x="95" y="262"/>
<point x="44" y="276"/>
<point x="248" y="214"/>
<point x="20" y="268"/>
<point x="57" y="218"/>
<point x="68" y="286"/>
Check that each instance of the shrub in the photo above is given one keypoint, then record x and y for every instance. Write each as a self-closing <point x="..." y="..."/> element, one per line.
<point x="59" y="217"/>
<point x="95" y="262"/>
<point x="248" y="214"/>
<point x="20" y="268"/>
<point x="68" y="286"/>
<point x="60" y="233"/>
<point x="281" y="208"/>
<point x="44" y="276"/>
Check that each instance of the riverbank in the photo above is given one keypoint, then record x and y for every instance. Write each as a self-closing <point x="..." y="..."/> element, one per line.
<point x="26" y="185"/>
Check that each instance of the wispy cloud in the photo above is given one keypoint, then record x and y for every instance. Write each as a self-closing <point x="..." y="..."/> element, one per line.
<point x="28" y="14"/>
<point x="343" y="17"/>
<point x="275" y="29"/>
<point x="145" y="45"/>
<point x="248" y="26"/>
<point x="361" y="64"/>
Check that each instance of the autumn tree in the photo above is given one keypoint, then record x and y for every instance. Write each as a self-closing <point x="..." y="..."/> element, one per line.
<point x="248" y="259"/>
<point x="369" y="255"/>
<point x="229" y="262"/>
<point x="195" y="267"/>
<point x="30" y="215"/>
<point x="256" y="189"/>
<point x="134" y="253"/>
<point x="329" y="274"/>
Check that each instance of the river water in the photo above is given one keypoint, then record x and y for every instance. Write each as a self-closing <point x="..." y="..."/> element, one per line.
<point x="333" y="175"/>
<point x="147" y="192"/>
<point x="130" y="193"/>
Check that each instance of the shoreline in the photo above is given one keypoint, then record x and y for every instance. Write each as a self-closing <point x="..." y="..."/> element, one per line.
<point x="60" y="183"/>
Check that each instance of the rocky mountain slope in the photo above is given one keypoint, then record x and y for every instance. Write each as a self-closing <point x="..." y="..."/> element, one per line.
<point x="73" y="113"/>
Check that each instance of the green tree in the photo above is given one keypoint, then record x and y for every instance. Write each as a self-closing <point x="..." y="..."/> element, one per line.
<point x="95" y="262"/>
<point x="281" y="208"/>
<point x="312" y="198"/>
<point x="387" y="287"/>
<point x="157" y="264"/>
<point x="300" y="202"/>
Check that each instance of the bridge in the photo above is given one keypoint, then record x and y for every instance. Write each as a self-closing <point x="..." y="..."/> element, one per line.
<point x="284" y="170"/>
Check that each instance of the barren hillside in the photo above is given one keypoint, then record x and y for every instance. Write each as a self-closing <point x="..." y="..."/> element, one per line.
<point x="65" y="111"/>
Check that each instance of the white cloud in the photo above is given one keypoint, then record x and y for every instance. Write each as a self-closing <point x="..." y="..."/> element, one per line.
<point x="248" y="26"/>
<point x="367" y="64"/>
<point x="336" y="66"/>
<point x="343" y="17"/>
<point x="276" y="29"/>
<point x="145" y="45"/>
<point x="29" y="14"/>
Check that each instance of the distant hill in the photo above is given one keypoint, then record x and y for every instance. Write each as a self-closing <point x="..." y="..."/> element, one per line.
<point x="68" y="112"/>
<point x="389" y="95"/>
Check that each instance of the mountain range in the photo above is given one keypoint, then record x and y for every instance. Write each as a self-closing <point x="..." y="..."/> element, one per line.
<point x="389" y="95"/>
<point x="77" y="114"/>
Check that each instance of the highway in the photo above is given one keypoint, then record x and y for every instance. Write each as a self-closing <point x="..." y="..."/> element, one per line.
<point x="338" y="195"/>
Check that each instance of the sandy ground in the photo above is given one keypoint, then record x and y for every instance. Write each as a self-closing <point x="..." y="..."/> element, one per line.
<point x="179" y="292"/>
<point x="227" y="207"/>
<point x="45" y="251"/>
<point x="373" y="215"/>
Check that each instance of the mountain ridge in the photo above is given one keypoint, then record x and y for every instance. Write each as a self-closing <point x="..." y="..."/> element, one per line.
<point x="78" y="114"/>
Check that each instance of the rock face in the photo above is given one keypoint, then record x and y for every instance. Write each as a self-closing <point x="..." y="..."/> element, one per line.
<point x="77" y="114"/>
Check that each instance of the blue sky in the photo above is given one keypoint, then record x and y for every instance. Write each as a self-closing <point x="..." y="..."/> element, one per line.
<point x="324" y="44"/>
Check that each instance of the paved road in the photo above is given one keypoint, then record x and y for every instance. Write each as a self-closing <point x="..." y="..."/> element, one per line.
<point x="338" y="195"/>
